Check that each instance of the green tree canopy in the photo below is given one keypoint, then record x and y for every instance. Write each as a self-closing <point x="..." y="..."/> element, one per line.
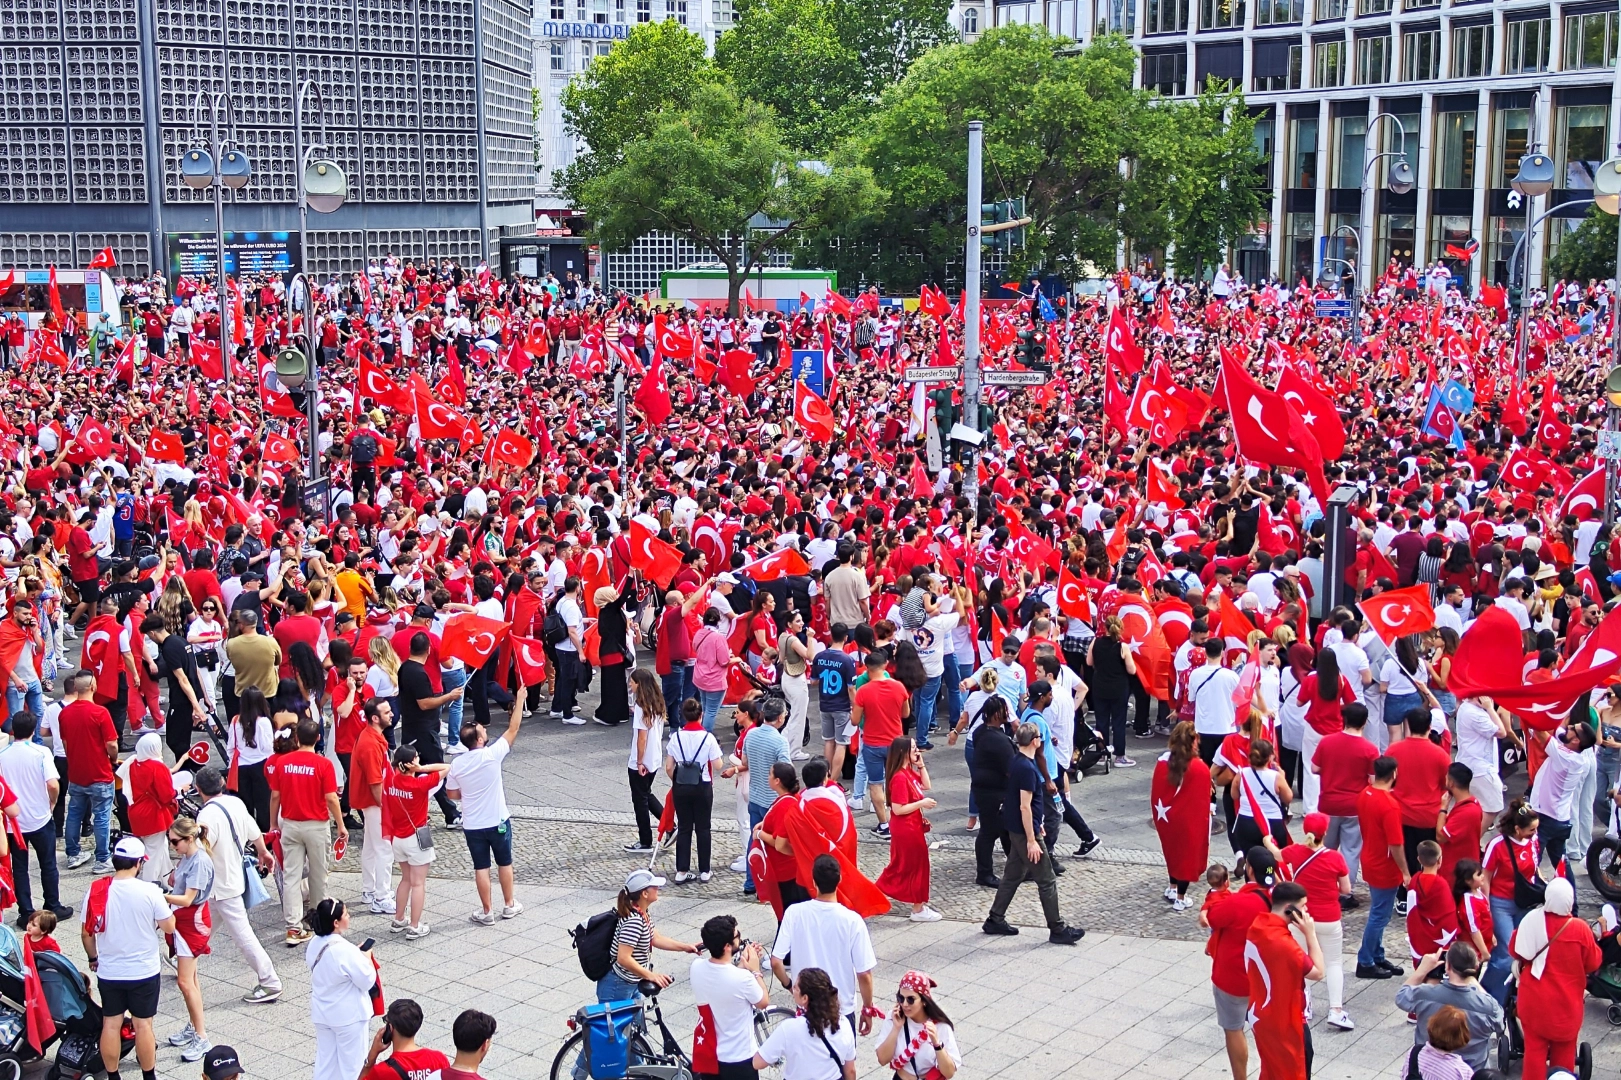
<point x="1589" y="251"/>
<point x="707" y="172"/>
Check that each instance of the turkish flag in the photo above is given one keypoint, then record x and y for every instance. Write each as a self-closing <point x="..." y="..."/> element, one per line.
<point x="653" y="396"/>
<point x="779" y="564"/>
<point x="510" y="448"/>
<point x="1316" y="410"/>
<point x="813" y="414"/>
<point x="1555" y="435"/>
<point x="708" y="538"/>
<point x="838" y="305"/>
<point x="219" y="406"/>
<point x="1150" y="569"/>
<point x="657" y="560"/>
<point x="1072" y="598"/>
<point x="517" y="359"/>
<point x="1400" y="612"/>
<point x="1141" y="630"/>
<point x="163" y="446"/>
<point x="825" y="826"/>
<point x="94" y="436"/>
<point x="672" y="341"/>
<point x="529" y="657"/>
<point x="1523" y="470"/>
<point x="278" y="448"/>
<point x="275" y="402"/>
<point x="1151" y="409"/>
<point x="934" y="302"/>
<point x="1586" y="498"/>
<point x="1267" y="430"/>
<point x="372" y="383"/>
<point x="219" y="442"/>
<point x="39" y="1025"/>
<point x="1115" y="402"/>
<point x="1120" y="349"/>
<point x="208" y="358"/>
<point x="56" y="302"/>
<point x="437" y="420"/>
<point x="1161" y="489"/>
<point x="1492" y="659"/>
<point x="735" y="370"/>
<point x="103" y="260"/>
<point x="472" y="639"/>
<point x="448" y="389"/>
<point x="1276" y="967"/>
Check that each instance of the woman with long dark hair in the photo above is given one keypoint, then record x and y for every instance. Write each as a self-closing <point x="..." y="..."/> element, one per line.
<point x="248" y="745"/>
<point x="1321" y="693"/>
<point x="1180" y="805"/>
<point x="917" y="1040"/>
<point x="646" y="741"/>
<point x="1404" y="680"/>
<point x="906" y="781"/>
<point x="819" y="1043"/>
<point x="1112" y="666"/>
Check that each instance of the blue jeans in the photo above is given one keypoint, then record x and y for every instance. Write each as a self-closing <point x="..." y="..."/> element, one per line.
<point x="609" y="988"/>
<point x="1506" y="915"/>
<point x="953" y="681"/>
<point x="711" y="701"/>
<point x="33" y="697"/>
<point x="859" y="785"/>
<point x="925" y="709"/>
<point x="1381" y="902"/>
<point x="756" y="815"/>
<point x="968" y="756"/>
<point x="452" y="678"/>
<point x="671" y="685"/>
<point x="98" y="800"/>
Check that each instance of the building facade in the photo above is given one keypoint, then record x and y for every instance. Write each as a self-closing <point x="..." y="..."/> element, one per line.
<point x="1474" y="85"/>
<point x="428" y="109"/>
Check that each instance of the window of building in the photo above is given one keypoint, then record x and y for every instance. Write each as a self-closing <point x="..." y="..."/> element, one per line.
<point x="1328" y="10"/>
<point x="579" y="10"/>
<point x="644" y="11"/>
<point x="1221" y="14"/>
<point x="1511" y="136"/>
<point x="1373" y="60"/>
<point x="1391" y="139"/>
<point x="970" y="21"/>
<point x="1415" y="5"/>
<point x="1114" y="17"/>
<point x="1350" y="150"/>
<point x="619" y="11"/>
<point x="1276" y="65"/>
<point x="724" y="12"/>
<point x="1421" y="55"/>
<point x="604" y="48"/>
<point x="1328" y="64"/>
<point x="1502" y="235"/>
<point x="1166" y="72"/>
<point x="1471" y="51"/>
<point x="1590" y="40"/>
<point x="559" y="60"/>
<point x="1579" y="144"/>
<point x="1279" y="12"/>
<point x="599" y="11"/>
<point x="559" y="12"/>
<point x="1449" y="229"/>
<point x="1396" y="234"/>
<point x="1527" y="46"/>
<point x="1165" y="16"/>
<point x="1264" y="134"/>
<point x="1302" y="153"/>
<point x="1299" y="246"/>
<point x="680" y="11"/>
<point x="1372" y="7"/>
<point x="1454" y="150"/>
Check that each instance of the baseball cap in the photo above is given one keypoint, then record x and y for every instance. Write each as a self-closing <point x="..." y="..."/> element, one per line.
<point x="130" y="847"/>
<point x="1316" y="824"/>
<point x="422" y="611"/>
<point x="221" y="1063"/>
<point x="726" y="579"/>
<point x="642" y="879"/>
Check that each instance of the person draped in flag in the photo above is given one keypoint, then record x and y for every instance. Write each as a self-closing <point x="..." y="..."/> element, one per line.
<point x="1278" y="969"/>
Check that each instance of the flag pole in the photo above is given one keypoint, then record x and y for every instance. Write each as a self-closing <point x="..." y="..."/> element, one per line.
<point x="970" y="312"/>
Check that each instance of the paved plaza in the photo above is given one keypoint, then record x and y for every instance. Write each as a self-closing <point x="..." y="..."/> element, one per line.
<point x="1133" y="999"/>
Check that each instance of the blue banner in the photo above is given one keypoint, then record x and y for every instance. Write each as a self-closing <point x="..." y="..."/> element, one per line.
<point x="810" y="368"/>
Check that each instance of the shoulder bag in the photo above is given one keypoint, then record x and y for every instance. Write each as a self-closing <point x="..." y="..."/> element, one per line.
<point x="254" y="892"/>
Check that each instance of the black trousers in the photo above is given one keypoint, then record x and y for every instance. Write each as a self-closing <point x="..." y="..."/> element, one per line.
<point x="343" y="796"/>
<point x="254" y="791"/>
<point x="1065" y="814"/>
<point x="989" y="801"/>
<point x="645" y="804"/>
<point x="177" y="729"/>
<point x="59" y="812"/>
<point x="429" y="753"/>
<point x="1414" y="835"/>
<point x="233" y="703"/>
<point x="694" y="804"/>
<point x="568" y="681"/>
<point x="43" y="841"/>
<point x="733" y="1070"/>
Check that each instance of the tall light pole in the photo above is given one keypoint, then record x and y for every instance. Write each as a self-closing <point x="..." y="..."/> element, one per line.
<point x="970" y="314"/>
<point x="1534" y="179"/>
<point x="1399" y="179"/>
<point x="1356" y="291"/>
<point x="217" y="167"/>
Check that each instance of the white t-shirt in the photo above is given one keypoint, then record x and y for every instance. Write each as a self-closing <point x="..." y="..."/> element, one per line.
<point x="731" y="994"/>
<point x="650" y="759"/>
<point x="222" y="815"/>
<point x="1211" y="690"/>
<point x="1393" y="675"/>
<point x="1517" y="609"/>
<point x="924" y="1059"/>
<point x="128" y="948"/>
<point x="26" y="768"/>
<point x="1477" y="739"/>
<point x="804" y="1056"/>
<point x="1353" y="662"/>
<point x="830" y="937"/>
<point x="695" y="746"/>
<point x="568" y="609"/>
<point x="477" y="775"/>
<point x="931" y="640"/>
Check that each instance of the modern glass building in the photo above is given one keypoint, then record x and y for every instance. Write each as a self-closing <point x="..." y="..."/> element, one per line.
<point x="428" y="109"/>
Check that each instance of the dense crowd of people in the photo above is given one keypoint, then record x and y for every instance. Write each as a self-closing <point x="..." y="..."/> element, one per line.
<point x="1146" y="560"/>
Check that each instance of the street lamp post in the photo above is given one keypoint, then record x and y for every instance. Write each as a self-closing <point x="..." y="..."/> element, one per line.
<point x="214" y="166"/>
<point x="1534" y="179"/>
<point x="1356" y="291"/>
<point x="1399" y="179"/>
<point x="970" y="315"/>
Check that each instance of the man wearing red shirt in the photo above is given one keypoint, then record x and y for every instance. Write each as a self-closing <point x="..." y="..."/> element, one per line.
<point x="1384" y="866"/>
<point x="421" y="620"/>
<point x="303" y="800"/>
<point x="299" y="625"/>
<point x="201" y="582"/>
<point x="1423" y="770"/>
<point x="91" y="744"/>
<point x="877" y="710"/>
<point x="83" y="569"/>
<point x="368" y="763"/>
<point x="1343" y="763"/>
<point x="1229" y="925"/>
<point x="1460" y="823"/>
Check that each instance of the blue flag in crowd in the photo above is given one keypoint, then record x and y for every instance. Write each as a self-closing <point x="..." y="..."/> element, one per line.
<point x="1457" y="397"/>
<point x="1045" y="306"/>
<point x="1440" y="420"/>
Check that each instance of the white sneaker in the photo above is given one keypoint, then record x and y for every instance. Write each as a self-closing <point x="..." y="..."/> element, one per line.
<point x="399" y="926"/>
<point x="1180" y="904"/>
<point x="102" y="868"/>
<point x="183" y="1036"/>
<point x="574" y="721"/>
<point x="740" y="865"/>
<point x="419" y="931"/>
<point x="194" y="1050"/>
<point x="704" y="876"/>
<point x="926" y="914"/>
<point x="76" y="861"/>
<point x="682" y="877"/>
<point x="858" y="806"/>
<point x="1339" y="1018"/>
<point x="382" y="907"/>
<point x="512" y="910"/>
<point x="1170" y="893"/>
<point x="482" y="918"/>
<point x="366" y="897"/>
<point x="800" y="755"/>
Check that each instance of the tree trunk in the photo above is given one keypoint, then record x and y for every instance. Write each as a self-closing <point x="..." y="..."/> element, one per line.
<point x="734" y="289"/>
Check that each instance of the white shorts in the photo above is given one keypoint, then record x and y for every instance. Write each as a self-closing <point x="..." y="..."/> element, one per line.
<point x="1487" y="789"/>
<point x="407" y="853"/>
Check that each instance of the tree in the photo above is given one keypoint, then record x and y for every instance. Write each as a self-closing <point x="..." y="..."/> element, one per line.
<point x="713" y="172"/>
<point x="823" y="64"/>
<point x="659" y="67"/>
<point x="1589" y="251"/>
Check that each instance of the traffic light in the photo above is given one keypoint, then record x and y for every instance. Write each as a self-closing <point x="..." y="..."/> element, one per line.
<point x="994" y="213"/>
<point x="1022" y="351"/>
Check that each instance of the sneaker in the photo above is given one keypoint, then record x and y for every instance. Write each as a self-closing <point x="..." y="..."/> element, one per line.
<point x="554" y="715"/>
<point x="1087" y="847"/>
<point x="261" y="995"/>
<point x="1180" y="904"/>
<point x="926" y="914"/>
<point x="1371" y="971"/>
<point x="704" y="876"/>
<point x="1066" y="935"/>
<point x="454" y="823"/>
<point x="195" y="1050"/>
<point x="637" y="848"/>
<point x="382" y="907"/>
<point x="297" y="936"/>
<point x="76" y="861"/>
<point x="1401" y="909"/>
<point x="419" y="931"/>
<point x="1170" y="894"/>
<point x="881" y="830"/>
<point x="1396" y="971"/>
<point x="1339" y="1018"/>
<point x="1124" y="763"/>
<point x="740" y="865"/>
<point x="482" y="918"/>
<point x="101" y="868"/>
<point x="574" y="721"/>
<point x="352" y="821"/>
<point x="512" y="910"/>
<point x="1412" y="1018"/>
<point x="183" y="1036"/>
<point x="1149" y="734"/>
<point x="398" y="926"/>
<point x="600" y="720"/>
<point x="62" y="912"/>
<point x="999" y="927"/>
<point x="972" y="827"/>
<point x="682" y="877"/>
<point x="1350" y="903"/>
<point x="857" y="806"/>
<point x="800" y="755"/>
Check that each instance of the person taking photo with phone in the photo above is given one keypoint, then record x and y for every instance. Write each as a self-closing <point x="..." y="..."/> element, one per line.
<point x="398" y="1035"/>
<point x="1278" y="968"/>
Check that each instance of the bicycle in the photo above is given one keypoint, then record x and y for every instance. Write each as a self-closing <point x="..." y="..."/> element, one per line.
<point x="671" y="1062"/>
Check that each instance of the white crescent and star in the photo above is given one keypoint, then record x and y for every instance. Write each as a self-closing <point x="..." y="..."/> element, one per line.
<point x="1162" y="811"/>
<point x="1254" y="409"/>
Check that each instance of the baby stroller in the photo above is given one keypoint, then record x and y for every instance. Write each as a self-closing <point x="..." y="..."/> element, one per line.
<point x="74" y="1011"/>
<point x="1511" y="1042"/>
<point x="1605" y="983"/>
<point x="1091" y="749"/>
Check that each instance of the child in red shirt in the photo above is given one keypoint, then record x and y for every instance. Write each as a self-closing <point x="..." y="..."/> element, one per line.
<point x="1474" y="906"/>
<point x="1220" y="888"/>
<point x="1432" y="913"/>
<point x="40" y="925"/>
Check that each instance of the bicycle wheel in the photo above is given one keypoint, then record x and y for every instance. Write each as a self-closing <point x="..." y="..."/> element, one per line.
<point x="571" y="1054"/>
<point x="765" y="1022"/>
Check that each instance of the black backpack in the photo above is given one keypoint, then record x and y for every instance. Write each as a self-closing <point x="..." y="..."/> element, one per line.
<point x="363" y="450"/>
<point x="594" y="940"/>
<point x="553" y="629"/>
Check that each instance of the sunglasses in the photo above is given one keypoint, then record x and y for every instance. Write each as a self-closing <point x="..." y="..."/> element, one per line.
<point x="906" y="999"/>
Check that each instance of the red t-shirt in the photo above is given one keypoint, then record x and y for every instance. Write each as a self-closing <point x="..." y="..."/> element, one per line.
<point x="1324" y="716"/>
<point x="296" y="628"/>
<point x="303" y="779"/>
<point x="1229" y="924"/>
<point x="1319" y="873"/>
<point x="1475" y="917"/>
<point x="82" y="564"/>
<point x="883" y="703"/>
<point x="419" y="1064"/>
<point x="1380" y="816"/>
<point x="86" y="730"/>
<point x="782" y="867"/>
<point x="349" y="727"/>
<point x="1344" y="766"/>
<point x="1421" y="780"/>
<point x="1460" y="836"/>
<point x="1527" y="853"/>
<point x="367" y="765"/>
<point x="405" y="803"/>
<point x="402" y="648"/>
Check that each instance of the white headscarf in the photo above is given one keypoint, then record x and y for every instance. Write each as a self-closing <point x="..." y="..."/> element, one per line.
<point x="148" y="747"/>
<point x="1532" y="941"/>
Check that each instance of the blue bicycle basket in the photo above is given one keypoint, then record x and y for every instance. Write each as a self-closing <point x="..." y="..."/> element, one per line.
<point x="607" y="1037"/>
